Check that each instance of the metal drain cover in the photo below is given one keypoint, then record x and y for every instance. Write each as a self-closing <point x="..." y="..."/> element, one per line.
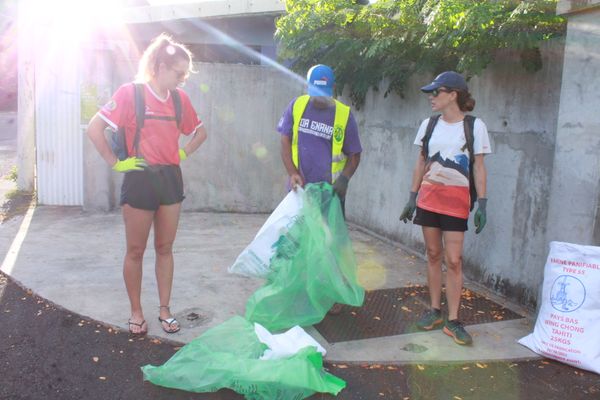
<point x="390" y="312"/>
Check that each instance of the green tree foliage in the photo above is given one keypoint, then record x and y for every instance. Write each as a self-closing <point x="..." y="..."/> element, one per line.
<point x="390" y="40"/>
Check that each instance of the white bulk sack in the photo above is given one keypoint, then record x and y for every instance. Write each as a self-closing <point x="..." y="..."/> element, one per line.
<point x="254" y="261"/>
<point x="568" y="324"/>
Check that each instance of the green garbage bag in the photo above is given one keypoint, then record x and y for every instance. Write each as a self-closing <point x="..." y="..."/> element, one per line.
<point x="227" y="356"/>
<point x="313" y="267"/>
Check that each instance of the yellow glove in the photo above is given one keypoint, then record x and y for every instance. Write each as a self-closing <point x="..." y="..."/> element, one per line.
<point x="182" y="155"/>
<point x="130" y="164"/>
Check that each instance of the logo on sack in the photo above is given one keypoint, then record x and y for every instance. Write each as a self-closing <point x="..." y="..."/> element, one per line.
<point x="567" y="294"/>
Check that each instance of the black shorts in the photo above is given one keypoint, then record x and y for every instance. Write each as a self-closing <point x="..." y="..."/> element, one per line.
<point x="444" y="222"/>
<point x="153" y="187"/>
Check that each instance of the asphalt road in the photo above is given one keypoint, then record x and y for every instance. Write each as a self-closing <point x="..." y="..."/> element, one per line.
<point x="47" y="352"/>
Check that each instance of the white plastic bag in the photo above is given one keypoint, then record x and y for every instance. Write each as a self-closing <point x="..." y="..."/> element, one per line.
<point x="254" y="261"/>
<point x="568" y="324"/>
<point x="285" y="344"/>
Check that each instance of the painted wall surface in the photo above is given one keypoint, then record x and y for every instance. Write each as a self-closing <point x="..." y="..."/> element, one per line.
<point x="238" y="168"/>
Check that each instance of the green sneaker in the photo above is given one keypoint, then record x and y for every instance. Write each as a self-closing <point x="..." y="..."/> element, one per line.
<point x="456" y="329"/>
<point x="430" y="320"/>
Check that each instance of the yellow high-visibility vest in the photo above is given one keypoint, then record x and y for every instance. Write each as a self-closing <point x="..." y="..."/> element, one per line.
<point x="342" y="113"/>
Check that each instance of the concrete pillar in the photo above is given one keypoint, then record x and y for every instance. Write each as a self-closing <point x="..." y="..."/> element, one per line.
<point x="26" y="98"/>
<point x="574" y="214"/>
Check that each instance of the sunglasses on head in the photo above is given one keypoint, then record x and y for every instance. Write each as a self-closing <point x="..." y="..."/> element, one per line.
<point x="436" y="92"/>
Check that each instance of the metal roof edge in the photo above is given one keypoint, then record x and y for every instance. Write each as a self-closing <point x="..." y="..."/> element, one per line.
<point x="205" y="9"/>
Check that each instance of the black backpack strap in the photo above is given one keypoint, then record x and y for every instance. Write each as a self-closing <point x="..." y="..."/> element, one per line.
<point x="433" y="120"/>
<point x="140" y="114"/>
<point x="469" y="127"/>
<point x="177" y="104"/>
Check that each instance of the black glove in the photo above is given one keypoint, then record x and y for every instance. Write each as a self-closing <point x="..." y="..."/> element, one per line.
<point x="480" y="215"/>
<point x="340" y="186"/>
<point x="409" y="208"/>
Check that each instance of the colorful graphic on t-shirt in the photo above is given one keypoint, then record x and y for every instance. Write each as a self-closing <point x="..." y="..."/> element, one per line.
<point x="445" y="185"/>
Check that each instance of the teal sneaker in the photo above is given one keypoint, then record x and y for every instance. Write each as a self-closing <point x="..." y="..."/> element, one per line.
<point x="457" y="331"/>
<point x="430" y="320"/>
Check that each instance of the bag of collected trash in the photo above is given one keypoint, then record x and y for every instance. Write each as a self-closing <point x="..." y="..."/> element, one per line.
<point x="227" y="356"/>
<point x="313" y="267"/>
<point x="568" y="326"/>
<point x="254" y="261"/>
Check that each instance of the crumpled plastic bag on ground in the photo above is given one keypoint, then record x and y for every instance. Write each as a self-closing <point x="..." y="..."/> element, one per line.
<point x="227" y="356"/>
<point x="313" y="267"/>
<point x="285" y="344"/>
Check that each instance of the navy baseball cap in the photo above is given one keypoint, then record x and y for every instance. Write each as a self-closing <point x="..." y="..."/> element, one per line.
<point x="320" y="80"/>
<point x="448" y="79"/>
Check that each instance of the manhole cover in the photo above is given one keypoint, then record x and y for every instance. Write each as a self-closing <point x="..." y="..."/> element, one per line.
<point x="389" y="312"/>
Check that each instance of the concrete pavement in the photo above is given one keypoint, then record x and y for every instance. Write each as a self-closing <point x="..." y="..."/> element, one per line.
<point x="73" y="259"/>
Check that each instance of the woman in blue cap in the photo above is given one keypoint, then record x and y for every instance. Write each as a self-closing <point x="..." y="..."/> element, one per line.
<point x="448" y="169"/>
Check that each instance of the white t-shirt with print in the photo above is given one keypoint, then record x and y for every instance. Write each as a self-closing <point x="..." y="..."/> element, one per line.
<point x="445" y="185"/>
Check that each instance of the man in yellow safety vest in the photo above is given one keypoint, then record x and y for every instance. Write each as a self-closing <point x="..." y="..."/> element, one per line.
<point x="319" y="136"/>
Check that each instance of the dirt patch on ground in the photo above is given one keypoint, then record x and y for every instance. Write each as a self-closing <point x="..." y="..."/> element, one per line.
<point x="15" y="203"/>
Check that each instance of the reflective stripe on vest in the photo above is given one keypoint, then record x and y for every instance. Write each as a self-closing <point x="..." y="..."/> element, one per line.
<point x="342" y="113"/>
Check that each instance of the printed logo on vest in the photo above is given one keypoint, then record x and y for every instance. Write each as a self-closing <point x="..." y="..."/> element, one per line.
<point x="338" y="133"/>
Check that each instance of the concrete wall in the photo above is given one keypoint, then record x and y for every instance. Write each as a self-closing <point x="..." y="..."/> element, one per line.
<point x="575" y="193"/>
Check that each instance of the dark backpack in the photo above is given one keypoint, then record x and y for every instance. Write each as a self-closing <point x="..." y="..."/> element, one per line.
<point x="118" y="142"/>
<point x="469" y="124"/>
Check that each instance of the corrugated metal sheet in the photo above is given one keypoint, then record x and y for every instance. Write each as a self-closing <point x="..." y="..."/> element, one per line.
<point x="58" y="131"/>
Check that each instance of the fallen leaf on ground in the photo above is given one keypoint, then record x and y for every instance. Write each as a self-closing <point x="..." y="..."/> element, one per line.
<point x="95" y="359"/>
<point x="102" y="378"/>
<point x="480" y="365"/>
<point x="421" y="368"/>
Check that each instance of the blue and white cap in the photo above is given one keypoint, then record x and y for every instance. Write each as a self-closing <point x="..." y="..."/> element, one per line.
<point x="320" y="80"/>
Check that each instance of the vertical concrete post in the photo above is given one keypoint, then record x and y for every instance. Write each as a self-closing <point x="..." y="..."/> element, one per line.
<point x="26" y="97"/>
<point x="575" y="193"/>
<point x="96" y="89"/>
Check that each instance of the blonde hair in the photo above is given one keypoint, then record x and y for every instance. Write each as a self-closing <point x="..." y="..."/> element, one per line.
<point x="162" y="49"/>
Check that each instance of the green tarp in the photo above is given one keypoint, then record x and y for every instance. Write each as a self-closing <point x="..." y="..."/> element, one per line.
<point x="313" y="268"/>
